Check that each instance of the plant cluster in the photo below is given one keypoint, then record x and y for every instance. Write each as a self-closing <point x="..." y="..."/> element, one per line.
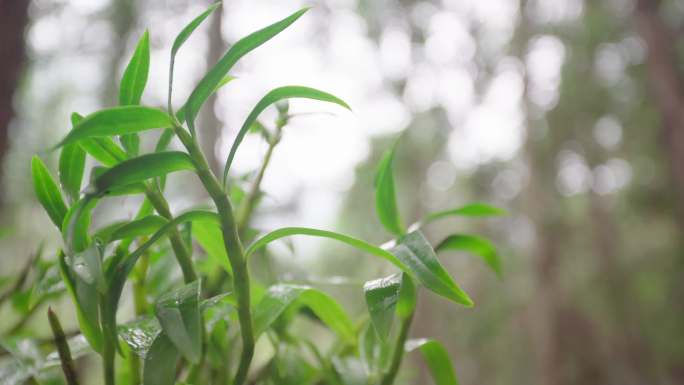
<point x="205" y="330"/>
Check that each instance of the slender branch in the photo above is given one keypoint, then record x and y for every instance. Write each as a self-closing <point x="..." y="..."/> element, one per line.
<point x="63" y="349"/>
<point x="108" y="323"/>
<point x="233" y="246"/>
<point x="398" y="354"/>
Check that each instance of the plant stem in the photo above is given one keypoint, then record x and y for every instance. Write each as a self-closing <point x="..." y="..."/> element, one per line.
<point x="63" y="349"/>
<point x="233" y="246"/>
<point x="108" y="323"/>
<point x="398" y="354"/>
<point x="180" y="250"/>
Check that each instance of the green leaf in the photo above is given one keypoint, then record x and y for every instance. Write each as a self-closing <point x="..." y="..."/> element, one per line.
<point x="179" y="315"/>
<point x="141" y="168"/>
<point x="413" y="256"/>
<point x="470" y="210"/>
<point x="135" y="75"/>
<point x="208" y="83"/>
<point x="138" y="228"/>
<point x="190" y="28"/>
<point x="210" y="237"/>
<point x="473" y="244"/>
<point x="273" y="96"/>
<point x="406" y="303"/>
<point x="85" y="300"/>
<point x="180" y="115"/>
<point x="280" y="297"/>
<point x="71" y="167"/>
<point x="385" y="197"/>
<point x="117" y="121"/>
<point x="47" y="192"/>
<point x="77" y="223"/>
<point x="381" y="299"/>
<point x="160" y="362"/>
<point x="104" y="150"/>
<point x="437" y="359"/>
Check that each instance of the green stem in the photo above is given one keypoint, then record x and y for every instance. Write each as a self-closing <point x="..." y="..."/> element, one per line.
<point x="179" y="249"/>
<point x="108" y="322"/>
<point x="233" y="246"/>
<point x="63" y="349"/>
<point x="398" y="354"/>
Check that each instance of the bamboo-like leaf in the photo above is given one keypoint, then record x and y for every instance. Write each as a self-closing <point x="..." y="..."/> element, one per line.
<point x="413" y="256"/>
<point x="103" y="149"/>
<point x="385" y="196"/>
<point x="381" y="299"/>
<point x="210" y="237"/>
<point x="437" y="359"/>
<point x="160" y="362"/>
<point x="47" y="192"/>
<point x="117" y="121"/>
<point x="77" y="223"/>
<point x="141" y="168"/>
<point x="279" y="297"/>
<point x="132" y="86"/>
<point x="274" y="96"/>
<point x="191" y="27"/>
<point x="406" y="302"/>
<point x="208" y="83"/>
<point x="473" y="244"/>
<point x="71" y="167"/>
<point x="179" y="315"/>
<point x="138" y="228"/>
<point x="470" y="210"/>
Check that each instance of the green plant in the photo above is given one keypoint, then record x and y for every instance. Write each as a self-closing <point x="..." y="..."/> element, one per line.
<point x="205" y="330"/>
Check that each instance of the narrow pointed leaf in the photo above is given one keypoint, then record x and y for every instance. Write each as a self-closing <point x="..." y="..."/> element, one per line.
<point x="179" y="315"/>
<point x="470" y="210"/>
<point x="103" y="149"/>
<point x="210" y="237"/>
<point x="141" y="168"/>
<point x="381" y="299"/>
<point x="406" y="302"/>
<point x="478" y="246"/>
<point x="281" y="296"/>
<point x="135" y="75"/>
<point x="191" y="27"/>
<point x="437" y="359"/>
<point x="274" y="96"/>
<point x="77" y="223"/>
<point x="208" y="83"/>
<point x="47" y="192"/>
<point x="385" y="196"/>
<point x="138" y="228"/>
<point x="159" y="367"/>
<point x="71" y="167"/>
<point x="117" y="121"/>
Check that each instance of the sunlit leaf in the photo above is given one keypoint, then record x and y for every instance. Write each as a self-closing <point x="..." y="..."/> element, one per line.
<point x="280" y="297"/>
<point x="179" y="315"/>
<point x="385" y="196"/>
<point x="473" y="244"/>
<point x="141" y="168"/>
<point x="273" y="96"/>
<point x="159" y="367"/>
<point x="47" y="192"/>
<point x="470" y="210"/>
<point x="437" y="359"/>
<point x="117" y="121"/>
<point x="208" y="83"/>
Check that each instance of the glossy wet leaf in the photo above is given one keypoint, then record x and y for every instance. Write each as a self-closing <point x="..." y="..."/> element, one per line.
<point x="280" y="297"/>
<point x="47" y="192"/>
<point x="71" y="168"/>
<point x="281" y="93"/>
<point x="139" y="334"/>
<point x="473" y="244"/>
<point x="141" y="168"/>
<point x="179" y="315"/>
<point x="117" y="121"/>
<point x="137" y="228"/>
<point x="243" y="46"/>
<point x="159" y="367"/>
<point x="415" y="258"/>
<point x="470" y="210"/>
<point x="437" y="359"/>
<point x="381" y="299"/>
<point x="385" y="196"/>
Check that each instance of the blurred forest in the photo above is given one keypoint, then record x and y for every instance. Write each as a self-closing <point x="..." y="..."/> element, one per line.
<point x="567" y="113"/>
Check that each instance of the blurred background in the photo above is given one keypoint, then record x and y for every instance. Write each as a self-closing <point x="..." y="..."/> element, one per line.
<point x="567" y="113"/>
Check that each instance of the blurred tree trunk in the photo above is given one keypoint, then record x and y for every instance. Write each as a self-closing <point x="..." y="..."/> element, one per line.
<point x="666" y="86"/>
<point x="13" y="21"/>
<point x="123" y="16"/>
<point x="210" y="126"/>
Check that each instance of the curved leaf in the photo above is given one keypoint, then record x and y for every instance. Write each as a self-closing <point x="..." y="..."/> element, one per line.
<point x="77" y="223"/>
<point x="178" y="313"/>
<point x="191" y="27"/>
<point x="160" y="362"/>
<point x="137" y="228"/>
<point x="210" y="237"/>
<point x="208" y="83"/>
<point x="385" y="197"/>
<point x="274" y="96"/>
<point x="406" y="303"/>
<point x="437" y="359"/>
<point x="141" y="168"/>
<point x="71" y="167"/>
<point x="381" y="299"/>
<point x="104" y="150"/>
<point x="471" y="210"/>
<point x="132" y="86"/>
<point x="117" y="121"/>
<point x="280" y="297"/>
<point x="478" y="246"/>
<point x="47" y="192"/>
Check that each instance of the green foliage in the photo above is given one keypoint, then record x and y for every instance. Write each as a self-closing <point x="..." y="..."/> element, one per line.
<point x="207" y="333"/>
